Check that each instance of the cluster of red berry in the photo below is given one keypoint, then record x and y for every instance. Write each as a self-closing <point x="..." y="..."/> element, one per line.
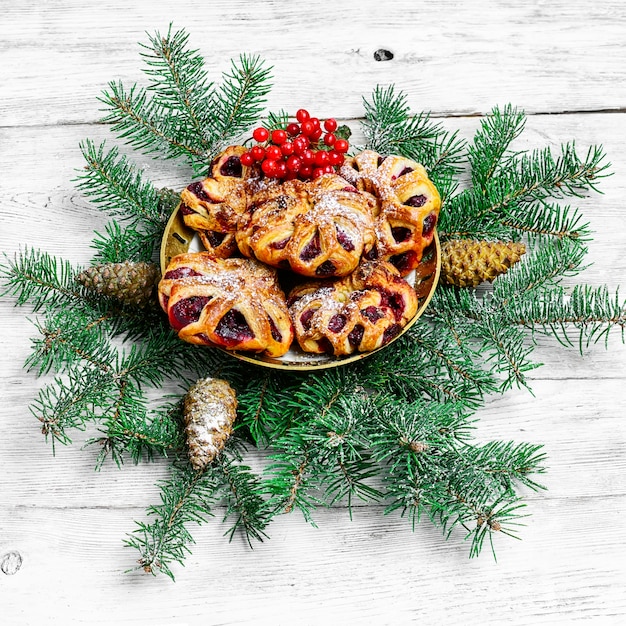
<point x="301" y="150"/>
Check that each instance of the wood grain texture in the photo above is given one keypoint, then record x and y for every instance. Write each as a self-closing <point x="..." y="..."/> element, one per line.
<point x="62" y="560"/>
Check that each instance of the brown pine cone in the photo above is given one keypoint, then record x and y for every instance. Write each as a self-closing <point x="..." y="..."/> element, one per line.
<point x="467" y="262"/>
<point x="210" y="409"/>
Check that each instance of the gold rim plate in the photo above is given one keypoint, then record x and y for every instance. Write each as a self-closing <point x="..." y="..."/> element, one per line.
<point x="178" y="238"/>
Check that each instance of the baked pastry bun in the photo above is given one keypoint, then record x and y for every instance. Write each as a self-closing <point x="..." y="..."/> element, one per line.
<point x="408" y="205"/>
<point x="212" y="206"/>
<point x="235" y="304"/>
<point x="317" y="228"/>
<point x="360" y="312"/>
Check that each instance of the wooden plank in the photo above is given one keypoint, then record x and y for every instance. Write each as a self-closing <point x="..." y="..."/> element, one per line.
<point x="450" y="58"/>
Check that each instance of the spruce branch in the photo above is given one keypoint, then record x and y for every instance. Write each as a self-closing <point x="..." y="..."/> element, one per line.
<point x="187" y="497"/>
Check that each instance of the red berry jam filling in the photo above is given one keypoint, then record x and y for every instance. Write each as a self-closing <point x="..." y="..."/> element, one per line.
<point x="325" y="345"/>
<point x="305" y="318"/>
<point x="416" y="201"/>
<point x="276" y="334"/>
<point x="406" y="170"/>
<point x="371" y="254"/>
<point x="232" y="167"/>
<point x="351" y="188"/>
<point x="187" y="311"/>
<point x="380" y="160"/>
<point x="356" y="335"/>
<point x="337" y="322"/>
<point x="393" y="301"/>
<point x="372" y="313"/>
<point x="429" y="224"/>
<point x="181" y="272"/>
<point x="204" y="338"/>
<point x="391" y="333"/>
<point x="185" y="210"/>
<point x="400" y="233"/>
<point x="344" y="241"/>
<point x="312" y="249"/>
<point x="233" y="328"/>
<point x="215" y="238"/>
<point x="280" y="245"/>
<point x="404" y="262"/>
<point x="327" y="268"/>
<point x="198" y="190"/>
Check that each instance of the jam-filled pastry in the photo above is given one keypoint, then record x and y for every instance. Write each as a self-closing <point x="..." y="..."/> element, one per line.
<point x="235" y="304"/>
<point x="408" y="205"/>
<point x="212" y="206"/>
<point x="318" y="228"/>
<point x="359" y="312"/>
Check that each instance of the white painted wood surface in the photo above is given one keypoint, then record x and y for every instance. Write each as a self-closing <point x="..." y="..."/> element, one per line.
<point x="62" y="524"/>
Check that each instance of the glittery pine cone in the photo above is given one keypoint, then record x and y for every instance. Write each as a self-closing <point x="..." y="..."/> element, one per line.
<point x="210" y="409"/>
<point x="130" y="282"/>
<point x="467" y="262"/>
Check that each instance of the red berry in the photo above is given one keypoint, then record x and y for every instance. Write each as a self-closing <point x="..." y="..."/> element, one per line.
<point x="273" y="152"/>
<point x="305" y="171"/>
<point x="286" y="148"/>
<point x="307" y="127"/>
<point x="316" y="134"/>
<point x="341" y="145"/>
<point x="294" y="163"/>
<point x="321" y="158"/>
<point x="281" y="169"/>
<point x="318" y="171"/>
<point x="329" y="169"/>
<point x="269" y="167"/>
<point x="316" y="122"/>
<point x="278" y="136"/>
<point x="300" y="144"/>
<point x="329" y="139"/>
<point x="302" y="115"/>
<point x="261" y="134"/>
<point x="246" y="159"/>
<point x="293" y="129"/>
<point x="335" y="158"/>
<point x="257" y="152"/>
<point x="308" y="157"/>
<point x="330" y="124"/>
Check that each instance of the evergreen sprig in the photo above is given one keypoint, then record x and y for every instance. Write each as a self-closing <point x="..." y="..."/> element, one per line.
<point x="395" y="428"/>
<point x="181" y="114"/>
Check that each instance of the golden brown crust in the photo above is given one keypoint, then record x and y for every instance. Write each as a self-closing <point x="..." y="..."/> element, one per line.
<point x="234" y="303"/>
<point x="408" y="205"/>
<point x="212" y="206"/>
<point x="360" y="312"/>
<point x="318" y="228"/>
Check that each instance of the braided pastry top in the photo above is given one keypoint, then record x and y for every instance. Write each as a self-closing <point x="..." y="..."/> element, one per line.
<point x="235" y="303"/>
<point x="316" y="228"/>
<point x="359" y="312"/>
<point x="212" y="206"/>
<point x="408" y="205"/>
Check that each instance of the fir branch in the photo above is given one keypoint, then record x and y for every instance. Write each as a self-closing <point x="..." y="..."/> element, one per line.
<point x="119" y="244"/>
<point x="147" y="125"/>
<point x="116" y="186"/>
<point x="70" y="402"/>
<point x="186" y="497"/>
<point x="241" y="97"/>
<point x="67" y="338"/>
<point x="242" y="492"/>
<point x="179" y="82"/>
<point x="488" y="152"/>
<point x="40" y="279"/>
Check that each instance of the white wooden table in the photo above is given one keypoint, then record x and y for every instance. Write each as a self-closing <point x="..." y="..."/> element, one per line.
<point x="62" y="524"/>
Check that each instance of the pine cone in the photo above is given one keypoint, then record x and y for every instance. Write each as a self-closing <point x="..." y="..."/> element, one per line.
<point x="210" y="409"/>
<point x="467" y="262"/>
<point x="132" y="283"/>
